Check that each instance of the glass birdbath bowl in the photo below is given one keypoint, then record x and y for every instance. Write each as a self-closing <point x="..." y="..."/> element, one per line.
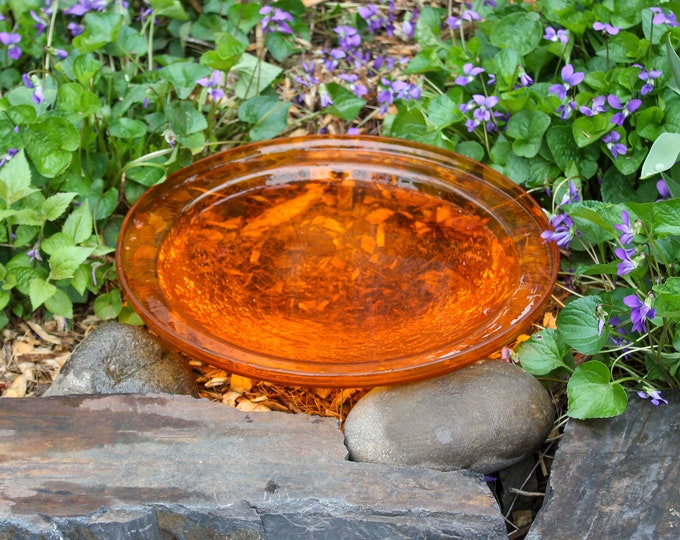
<point x="337" y="261"/>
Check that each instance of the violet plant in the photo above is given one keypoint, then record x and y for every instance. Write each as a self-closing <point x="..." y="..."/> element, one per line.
<point x="567" y="99"/>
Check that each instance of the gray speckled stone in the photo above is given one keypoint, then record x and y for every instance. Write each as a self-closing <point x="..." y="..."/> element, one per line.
<point x="616" y="477"/>
<point x="122" y="359"/>
<point x="484" y="417"/>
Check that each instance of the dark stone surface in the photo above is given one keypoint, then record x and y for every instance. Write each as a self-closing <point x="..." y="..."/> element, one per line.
<point x="616" y="477"/>
<point x="165" y="466"/>
<point x="484" y="417"/>
<point x="120" y="359"/>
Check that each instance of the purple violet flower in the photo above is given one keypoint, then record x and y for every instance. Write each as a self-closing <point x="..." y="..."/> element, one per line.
<point x="572" y="196"/>
<point x="470" y="16"/>
<point x="358" y="89"/>
<point x="39" y="25"/>
<point x="408" y="27"/>
<point x="624" y="110"/>
<point x="566" y="109"/>
<point x="453" y="23"/>
<point x="662" y="188"/>
<point x="348" y="37"/>
<point x="10" y="40"/>
<point x="34" y="255"/>
<point x="606" y="28"/>
<point x="276" y="20"/>
<point x="570" y="78"/>
<point x="640" y="311"/>
<point x="524" y="79"/>
<point x="11" y="152"/>
<point x="653" y="395"/>
<point x="660" y="17"/>
<point x="648" y="77"/>
<point x="325" y="99"/>
<point x="82" y="7"/>
<point x="371" y="15"/>
<point x="563" y="231"/>
<point x="611" y="140"/>
<point x="470" y="71"/>
<point x="214" y="84"/>
<point x="556" y="35"/>
<point x="627" y="230"/>
<point x="627" y="264"/>
<point x="596" y="108"/>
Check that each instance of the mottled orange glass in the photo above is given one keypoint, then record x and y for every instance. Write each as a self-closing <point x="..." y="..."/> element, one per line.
<point x="337" y="261"/>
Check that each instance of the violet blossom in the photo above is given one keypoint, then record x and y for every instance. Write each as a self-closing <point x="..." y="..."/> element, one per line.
<point x="82" y="7"/>
<point x="276" y="20"/>
<point x="628" y="231"/>
<point x="358" y="89"/>
<point x="611" y="140"/>
<point x="470" y="16"/>
<point x="325" y="99"/>
<point x="572" y="196"/>
<point x="214" y="84"/>
<point x="662" y="189"/>
<point x="348" y="37"/>
<point x="596" y="107"/>
<point x="653" y="395"/>
<point x="524" y="78"/>
<point x="556" y="35"/>
<point x="566" y="109"/>
<point x="470" y="71"/>
<point x="408" y="27"/>
<point x="453" y="23"/>
<point x="640" y="311"/>
<point x="648" y="77"/>
<point x="570" y="78"/>
<point x="10" y="40"/>
<point x="660" y="17"/>
<point x="624" y="110"/>
<point x="372" y="17"/>
<point x="33" y="83"/>
<point x="11" y="152"/>
<point x="606" y="28"/>
<point x="563" y="230"/>
<point x="627" y="264"/>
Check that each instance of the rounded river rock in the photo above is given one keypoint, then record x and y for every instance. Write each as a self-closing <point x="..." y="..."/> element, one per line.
<point x="122" y="359"/>
<point x="484" y="417"/>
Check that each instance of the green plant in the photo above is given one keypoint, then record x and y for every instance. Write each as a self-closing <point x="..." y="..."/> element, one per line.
<point x="100" y="100"/>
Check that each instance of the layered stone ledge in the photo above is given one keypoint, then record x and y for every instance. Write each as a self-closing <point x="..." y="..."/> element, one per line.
<point x="167" y="466"/>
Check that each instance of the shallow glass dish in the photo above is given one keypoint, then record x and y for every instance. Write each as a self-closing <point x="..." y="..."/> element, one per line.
<point x="337" y="261"/>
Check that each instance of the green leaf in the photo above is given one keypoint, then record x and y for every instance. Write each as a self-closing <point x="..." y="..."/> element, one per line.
<point x="183" y="77"/>
<point x="129" y="316"/>
<point x="346" y="105"/>
<point x="127" y="128"/>
<point x="674" y="62"/>
<point x="520" y="31"/>
<point x="591" y="394"/>
<point x="228" y="51"/>
<point x="100" y="30"/>
<point x="22" y="271"/>
<point x="168" y="8"/>
<point x="471" y="149"/>
<point x="443" y="110"/>
<point x="590" y="129"/>
<point x="667" y="301"/>
<point x="50" y="145"/>
<point x="267" y="114"/>
<point x="408" y="124"/>
<point x="109" y="305"/>
<point x="5" y="297"/>
<point x="64" y="261"/>
<point x="75" y="100"/>
<point x="15" y="179"/>
<point x="254" y="76"/>
<point x="527" y="128"/>
<point x="54" y="206"/>
<point x="543" y="352"/>
<point x="78" y="225"/>
<point x="662" y="155"/>
<point x="60" y="304"/>
<point x="578" y="325"/>
<point x="58" y="240"/>
<point x="425" y="61"/>
<point x="666" y="217"/>
<point x="185" y="119"/>
<point x="40" y="291"/>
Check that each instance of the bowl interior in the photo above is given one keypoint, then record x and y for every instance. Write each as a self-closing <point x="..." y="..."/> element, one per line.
<point x="345" y="261"/>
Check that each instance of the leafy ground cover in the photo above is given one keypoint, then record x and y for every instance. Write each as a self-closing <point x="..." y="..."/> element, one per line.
<point x="576" y="101"/>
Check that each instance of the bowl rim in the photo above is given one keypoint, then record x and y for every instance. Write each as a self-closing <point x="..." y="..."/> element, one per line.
<point x="250" y="363"/>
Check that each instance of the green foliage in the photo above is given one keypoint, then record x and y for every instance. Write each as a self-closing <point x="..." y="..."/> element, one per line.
<point x="92" y="115"/>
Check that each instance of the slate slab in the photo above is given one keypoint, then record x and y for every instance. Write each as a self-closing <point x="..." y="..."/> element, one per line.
<point x="617" y="477"/>
<point x="162" y="466"/>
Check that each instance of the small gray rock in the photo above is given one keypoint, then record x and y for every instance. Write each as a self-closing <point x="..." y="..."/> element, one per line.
<point x="121" y="359"/>
<point x="483" y="417"/>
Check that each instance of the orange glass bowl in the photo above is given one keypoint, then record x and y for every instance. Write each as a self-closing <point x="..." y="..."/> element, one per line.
<point x="337" y="261"/>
